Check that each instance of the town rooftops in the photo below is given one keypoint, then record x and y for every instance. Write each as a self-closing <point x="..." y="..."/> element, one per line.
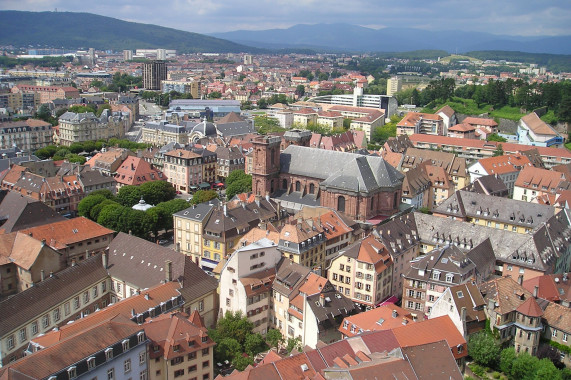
<point x="538" y="126"/>
<point x="33" y="302"/>
<point x="65" y="353"/>
<point x="59" y="235"/>
<point x="385" y="317"/>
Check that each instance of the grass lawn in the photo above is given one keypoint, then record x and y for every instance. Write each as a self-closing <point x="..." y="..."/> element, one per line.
<point x="469" y="107"/>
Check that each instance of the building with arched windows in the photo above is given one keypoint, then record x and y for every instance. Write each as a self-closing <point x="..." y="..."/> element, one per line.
<point x="361" y="186"/>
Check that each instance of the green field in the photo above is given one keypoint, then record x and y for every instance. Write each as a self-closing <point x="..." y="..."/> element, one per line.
<point x="469" y="107"/>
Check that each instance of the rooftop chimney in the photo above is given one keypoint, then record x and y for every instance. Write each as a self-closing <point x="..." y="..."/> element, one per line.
<point x="72" y="262"/>
<point x="535" y="290"/>
<point x="520" y="279"/>
<point x="104" y="259"/>
<point x="463" y="319"/>
<point x="395" y="314"/>
<point x="322" y="300"/>
<point x="168" y="271"/>
<point x="404" y="321"/>
<point x="42" y="275"/>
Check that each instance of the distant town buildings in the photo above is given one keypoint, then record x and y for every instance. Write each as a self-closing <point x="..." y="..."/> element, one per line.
<point x="153" y="73"/>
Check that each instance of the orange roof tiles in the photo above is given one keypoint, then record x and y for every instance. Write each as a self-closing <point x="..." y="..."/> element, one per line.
<point x="530" y="308"/>
<point x="59" y="235"/>
<point x="480" y="121"/>
<point x="381" y="318"/>
<point x="539" y="179"/>
<point x="412" y="118"/>
<point x="505" y="164"/>
<point x="138" y="303"/>
<point x="313" y="284"/>
<point x="429" y="331"/>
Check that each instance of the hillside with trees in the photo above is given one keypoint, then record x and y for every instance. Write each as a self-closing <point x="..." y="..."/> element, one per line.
<point x="83" y="30"/>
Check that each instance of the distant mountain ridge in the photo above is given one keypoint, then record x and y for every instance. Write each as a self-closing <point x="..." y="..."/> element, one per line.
<point x="352" y="38"/>
<point x="86" y="30"/>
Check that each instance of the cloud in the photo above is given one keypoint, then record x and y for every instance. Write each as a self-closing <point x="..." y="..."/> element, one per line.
<point x="512" y="17"/>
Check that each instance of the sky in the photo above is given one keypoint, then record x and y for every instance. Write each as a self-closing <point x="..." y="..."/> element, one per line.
<point x="509" y="17"/>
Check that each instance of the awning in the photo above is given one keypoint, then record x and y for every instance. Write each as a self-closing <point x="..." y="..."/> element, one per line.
<point x="208" y="264"/>
<point x="193" y="187"/>
<point x="204" y="185"/>
<point x="219" y="184"/>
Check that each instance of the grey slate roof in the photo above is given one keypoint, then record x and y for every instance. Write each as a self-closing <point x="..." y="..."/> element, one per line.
<point x="289" y="277"/>
<point x="167" y="127"/>
<point x="33" y="302"/>
<point x="473" y="205"/>
<point x="340" y="170"/>
<point x="238" y="128"/>
<point x="77" y="117"/>
<point x="197" y="212"/>
<point x="18" y="212"/>
<point x="142" y="264"/>
<point x="490" y="185"/>
<point x="336" y="305"/>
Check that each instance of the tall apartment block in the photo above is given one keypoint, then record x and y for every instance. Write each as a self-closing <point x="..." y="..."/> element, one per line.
<point x="153" y="73"/>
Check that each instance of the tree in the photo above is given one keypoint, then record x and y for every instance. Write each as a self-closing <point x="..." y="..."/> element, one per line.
<point x="202" y="196"/>
<point x="238" y="182"/>
<point x="227" y="349"/>
<point x="101" y="108"/>
<point x="499" y="151"/>
<point x="254" y="344"/>
<point x="106" y="193"/>
<point x="82" y="109"/>
<point x="507" y="357"/>
<point x="96" y="210"/>
<point x="300" y="90"/>
<point x="293" y="343"/>
<point x="110" y="216"/>
<point x="524" y="367"/>
<point x="274" y="337"/>
<point x="155" y="192"/>
<point x="129" y="195"/>
<point x="86" y="204"/>
<point x="483" y="349"/>
<point x="165" y="210"/>
<point x="546" y="370"/>
<point x="234" y="325"/>
<point x="215" y="95"/>
<point x="496" y="137"/>
<point x="241" y="362"/>
<point x="551" y="353"/>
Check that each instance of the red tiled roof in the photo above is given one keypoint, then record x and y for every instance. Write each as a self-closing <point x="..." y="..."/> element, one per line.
<point x="429" y="331"/>
<point x="530" y="308"/>
<point x="59" y="235"/>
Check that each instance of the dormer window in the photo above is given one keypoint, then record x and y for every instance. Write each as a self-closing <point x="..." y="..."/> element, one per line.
<point x="90" y="363"/>
<point x="141" y="337"/>
<point x="109" y="353"/>
<point x="71" y="372"/>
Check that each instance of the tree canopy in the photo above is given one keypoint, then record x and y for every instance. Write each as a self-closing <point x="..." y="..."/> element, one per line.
<point x="238" y="182"/>
<point x="483" y="348"/>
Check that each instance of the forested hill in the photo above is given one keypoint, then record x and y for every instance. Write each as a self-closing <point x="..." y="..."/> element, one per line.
<point x="86" y="30"/>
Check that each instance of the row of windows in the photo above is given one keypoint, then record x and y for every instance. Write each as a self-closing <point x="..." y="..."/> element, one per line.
<point x="55" y="315"/>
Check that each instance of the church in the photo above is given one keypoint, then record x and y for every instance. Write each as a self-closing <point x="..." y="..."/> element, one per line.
<point x="361" y="186"/>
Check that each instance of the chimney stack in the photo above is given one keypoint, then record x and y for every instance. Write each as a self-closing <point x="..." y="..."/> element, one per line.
<point x="168" y="271"/>
<point x="42" y="275"/>
<point x="72" y="262"/>
<point x="463" y="319"/>
<point x="404" y="321"/>
<point x="535" y="291"/>
<point x="322" y="300"/>
<point x="104" y="259"/>
<point x="520" y="279"/>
